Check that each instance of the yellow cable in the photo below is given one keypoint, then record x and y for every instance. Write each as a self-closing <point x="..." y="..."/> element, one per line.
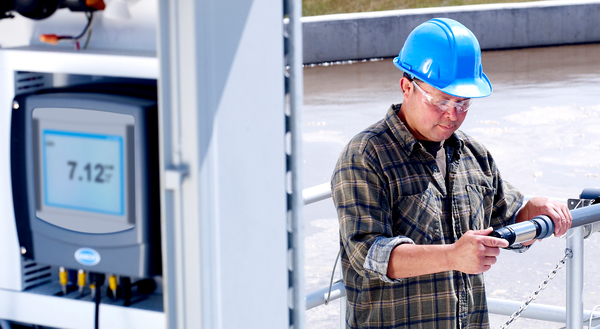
<point x="81" y="280"/>
<point x="63" y="276"/>
<point x="112" y="284"/>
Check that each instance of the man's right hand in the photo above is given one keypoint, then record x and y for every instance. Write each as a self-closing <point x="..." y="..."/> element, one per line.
<point x="475" y="252"/>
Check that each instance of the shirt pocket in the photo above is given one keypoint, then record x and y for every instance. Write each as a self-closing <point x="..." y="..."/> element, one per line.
<point x="481" y="203"/>
<point x="418" y="217"/>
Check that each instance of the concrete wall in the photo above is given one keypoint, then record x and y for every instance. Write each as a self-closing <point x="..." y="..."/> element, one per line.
<point x="497" y="26"/>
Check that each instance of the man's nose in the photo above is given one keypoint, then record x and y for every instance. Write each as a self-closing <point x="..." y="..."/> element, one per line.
<point x="452" y="113"/>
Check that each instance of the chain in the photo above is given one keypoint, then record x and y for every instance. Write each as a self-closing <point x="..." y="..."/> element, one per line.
<point x="535" y="294"/>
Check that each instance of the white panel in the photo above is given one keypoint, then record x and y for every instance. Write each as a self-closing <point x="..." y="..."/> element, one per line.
<point x="224" y="231"/>
<point x="133" y="64"/>
<point x="10" y="256"/>
<point x="251" y="162"/>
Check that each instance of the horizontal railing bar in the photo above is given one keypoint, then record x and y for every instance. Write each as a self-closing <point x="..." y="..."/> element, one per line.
<point x="534" y="311"/>
<point x="585" y="215"/>
<point x="317" y="298"/>
<point x="316" y="193"/>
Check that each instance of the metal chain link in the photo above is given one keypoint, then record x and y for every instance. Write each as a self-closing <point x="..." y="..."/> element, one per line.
<point x="535" y="294"/>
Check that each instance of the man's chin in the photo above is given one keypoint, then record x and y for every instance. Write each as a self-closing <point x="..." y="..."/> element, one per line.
<point x="443" y="133"/>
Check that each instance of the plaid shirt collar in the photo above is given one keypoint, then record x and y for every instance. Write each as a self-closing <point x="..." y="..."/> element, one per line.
<point x="405" y="138"/>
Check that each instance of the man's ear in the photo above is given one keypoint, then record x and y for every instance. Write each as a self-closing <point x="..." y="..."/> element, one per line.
<point x="406" y="86"/>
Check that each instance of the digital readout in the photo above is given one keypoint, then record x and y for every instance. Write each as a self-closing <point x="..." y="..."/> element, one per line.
<point x="83" y="171"/>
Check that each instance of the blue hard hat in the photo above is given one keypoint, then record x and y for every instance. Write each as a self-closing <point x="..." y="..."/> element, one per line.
<point x="446" y="55"/>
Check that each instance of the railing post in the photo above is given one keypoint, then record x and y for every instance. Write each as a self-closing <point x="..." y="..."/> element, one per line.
<point x="294" y="91"/>
<point x="575" y="278"/>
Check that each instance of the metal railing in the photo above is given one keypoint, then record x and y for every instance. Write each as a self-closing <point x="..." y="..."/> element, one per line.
<point x="573" y="315"/>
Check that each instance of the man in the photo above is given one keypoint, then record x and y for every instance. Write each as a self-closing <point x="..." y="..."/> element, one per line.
<point x="417" y="198"/>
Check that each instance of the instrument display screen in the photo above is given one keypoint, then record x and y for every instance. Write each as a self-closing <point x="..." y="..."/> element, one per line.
<point x="83" y="171"/>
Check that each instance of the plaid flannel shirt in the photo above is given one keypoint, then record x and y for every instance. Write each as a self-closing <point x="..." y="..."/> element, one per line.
<point x="388" y="190"/>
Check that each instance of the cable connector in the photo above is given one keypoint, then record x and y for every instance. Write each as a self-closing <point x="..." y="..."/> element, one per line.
<point x="95" y="4"/>
<point x="81" y="281"/>
<point x="49" y="38"/>
<point x="112" y="285"/>
<point x="63" y="278"/>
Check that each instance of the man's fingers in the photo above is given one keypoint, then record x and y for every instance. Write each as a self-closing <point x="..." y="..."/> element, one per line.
<point x="557" y="211"/>
<point x="562" y="219"/>
<point x="489" y="241"/>
<point x="491" y="260"/>
<point x="487" y="231"/>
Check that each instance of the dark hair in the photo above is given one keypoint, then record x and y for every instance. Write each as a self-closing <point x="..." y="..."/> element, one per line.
<point x="406" y="75"/>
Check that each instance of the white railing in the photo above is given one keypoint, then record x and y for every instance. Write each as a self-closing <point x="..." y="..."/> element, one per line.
<point x="318" y="298"/>
<point x="573" y="315"/>
<point x="316" y="193"/>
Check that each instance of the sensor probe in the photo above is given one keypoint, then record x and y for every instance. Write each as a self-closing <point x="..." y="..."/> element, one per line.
<point x="541" y="227"/>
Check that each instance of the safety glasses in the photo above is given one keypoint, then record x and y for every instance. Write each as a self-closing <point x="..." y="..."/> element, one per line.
<point x="445" y="105"/>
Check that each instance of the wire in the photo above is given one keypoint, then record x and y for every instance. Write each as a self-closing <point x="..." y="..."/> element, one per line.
<point x="87" y="41"/>
<point x="332" y="273"/>
<point x="54" y="39"/>
<point x="98" y="280"/>
<point x="97" y="313"/>
<point x="90" y="18"/>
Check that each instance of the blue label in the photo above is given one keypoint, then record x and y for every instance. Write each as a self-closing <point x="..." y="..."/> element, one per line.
<point x="87" y="256"/>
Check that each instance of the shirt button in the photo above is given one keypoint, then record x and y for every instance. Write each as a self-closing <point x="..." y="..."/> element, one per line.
<point x="434" y="168"/>
<point x="464" y="294"/>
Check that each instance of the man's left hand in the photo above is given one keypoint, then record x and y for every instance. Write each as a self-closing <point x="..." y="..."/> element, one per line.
<point x="557" y="211"/>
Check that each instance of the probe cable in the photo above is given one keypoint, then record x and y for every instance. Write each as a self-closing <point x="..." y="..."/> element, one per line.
<point x="332" y="274"/>
<point x="592" y="316"/>
<point x="97" y="310"/>
<point x="98" y="280"/>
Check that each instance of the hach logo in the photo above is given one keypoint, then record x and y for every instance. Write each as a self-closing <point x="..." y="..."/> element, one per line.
<point x="87" y="256"/>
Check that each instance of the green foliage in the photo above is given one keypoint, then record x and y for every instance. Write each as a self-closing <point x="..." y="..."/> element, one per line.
<point x="326" y="7"/>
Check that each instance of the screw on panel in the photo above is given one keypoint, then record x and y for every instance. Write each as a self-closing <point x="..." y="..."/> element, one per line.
<point x="23" y="251"/>
<point x="15" y="105"/>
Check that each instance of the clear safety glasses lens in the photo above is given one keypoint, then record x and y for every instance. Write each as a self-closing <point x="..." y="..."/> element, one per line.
<point x="444" y="105"/>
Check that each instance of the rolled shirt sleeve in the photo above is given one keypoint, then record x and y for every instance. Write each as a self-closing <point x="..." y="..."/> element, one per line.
<point x="378" y="257"/>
